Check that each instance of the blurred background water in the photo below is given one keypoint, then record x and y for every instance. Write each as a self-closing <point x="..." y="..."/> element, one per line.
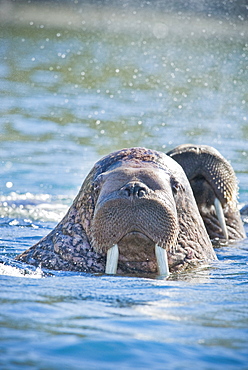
<point x="78" y="80"/>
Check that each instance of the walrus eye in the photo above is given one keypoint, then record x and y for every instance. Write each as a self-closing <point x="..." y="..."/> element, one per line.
<point x="97" y="184"/>
<point x="176" y="186"/>
<point x="96" y="187"/>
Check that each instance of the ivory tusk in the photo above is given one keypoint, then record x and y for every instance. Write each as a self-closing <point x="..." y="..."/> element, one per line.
<point x="112" y="260"/>
<point x="113" y="255"/>
<point x="162" y="260"/>
<point x="221" y="217"/>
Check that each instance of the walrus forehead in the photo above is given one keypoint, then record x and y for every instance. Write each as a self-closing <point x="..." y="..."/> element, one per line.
<point x="154" y="177"/>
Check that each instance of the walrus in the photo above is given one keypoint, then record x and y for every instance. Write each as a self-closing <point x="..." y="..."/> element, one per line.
<point x="215" y="189"/>
<point x="135" y="213"/>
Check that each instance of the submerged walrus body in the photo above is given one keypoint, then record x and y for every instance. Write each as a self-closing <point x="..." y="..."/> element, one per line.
<point x="135" y="213"/>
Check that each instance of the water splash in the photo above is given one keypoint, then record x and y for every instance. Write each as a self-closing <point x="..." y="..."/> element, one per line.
<point x="42" y="207"/>
<point x="19" y="272"/>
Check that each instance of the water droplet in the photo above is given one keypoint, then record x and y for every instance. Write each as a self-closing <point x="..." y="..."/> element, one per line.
<point x="9" y="184"/>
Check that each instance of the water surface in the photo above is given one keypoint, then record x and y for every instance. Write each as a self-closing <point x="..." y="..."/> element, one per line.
<point x="76" y="84"/>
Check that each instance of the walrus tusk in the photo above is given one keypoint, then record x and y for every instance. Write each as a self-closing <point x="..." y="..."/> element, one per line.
<point x="221" y="217"/>
<point x="112" y="260"/>
<point x="162" y="260"/>
<point x="113" y="255"/>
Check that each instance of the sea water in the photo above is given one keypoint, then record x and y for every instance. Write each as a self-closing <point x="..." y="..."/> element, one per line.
<point x="77" y="83"/>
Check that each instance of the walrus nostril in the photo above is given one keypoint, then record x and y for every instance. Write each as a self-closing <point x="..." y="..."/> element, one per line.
<point x="139" y="191"/>
<point x="127" y="191"/>
<point x="135" y="190"/>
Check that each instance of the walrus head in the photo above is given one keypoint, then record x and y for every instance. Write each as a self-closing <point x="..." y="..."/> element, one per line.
<point x="215" y="188"/>
<point x="143" y="208"/>
<point x="136" y="212"/>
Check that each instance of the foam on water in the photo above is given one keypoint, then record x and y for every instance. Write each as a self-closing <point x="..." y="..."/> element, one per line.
<point x="19" y="272"/>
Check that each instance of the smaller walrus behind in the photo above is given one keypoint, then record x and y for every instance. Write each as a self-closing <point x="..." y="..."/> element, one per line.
<point x="136" y="213"/>
<point x="214" y="185"/>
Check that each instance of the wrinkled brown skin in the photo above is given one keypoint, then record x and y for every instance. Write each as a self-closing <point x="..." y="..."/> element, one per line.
<point x="165" y="212"/>
<point x="210" y="176"/>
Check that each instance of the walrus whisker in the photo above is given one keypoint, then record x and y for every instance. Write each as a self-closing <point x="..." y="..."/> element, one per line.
<point x="162" y="261"/>
<point x="221" y="217"/>
<point x="112" y="260"/>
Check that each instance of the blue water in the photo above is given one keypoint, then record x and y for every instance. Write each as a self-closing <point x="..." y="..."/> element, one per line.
<point x="76" y="84"/>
